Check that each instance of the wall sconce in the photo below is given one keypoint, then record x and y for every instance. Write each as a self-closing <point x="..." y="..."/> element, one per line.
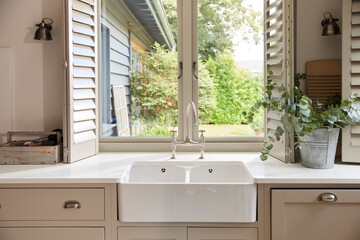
<point x="43" y="32"/>
<point x="330" y="27"/>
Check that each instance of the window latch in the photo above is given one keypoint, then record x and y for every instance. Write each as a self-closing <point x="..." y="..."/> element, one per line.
<point x="181" y="70"/>
<point x="194" y="70"/>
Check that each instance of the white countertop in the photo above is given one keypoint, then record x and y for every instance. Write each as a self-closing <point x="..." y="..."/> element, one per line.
<point x="108" y="167"/>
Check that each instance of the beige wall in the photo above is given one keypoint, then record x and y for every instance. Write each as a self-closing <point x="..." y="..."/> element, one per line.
<point x="310" y="44"/>
<point x="34" y="75"/>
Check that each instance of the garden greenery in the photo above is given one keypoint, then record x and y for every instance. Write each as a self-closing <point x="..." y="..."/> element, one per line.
<point x="154" y="91"/>
<point x="303" y="116"/>
<point x="237" y="90"/>
<point x="226" y="92"/>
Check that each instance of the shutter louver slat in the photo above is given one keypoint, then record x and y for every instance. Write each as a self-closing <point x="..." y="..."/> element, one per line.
<point x="84" y="126"/>
<point x="83" y="83"/>
<point x="355" y="67"/>
<point x="355" y="55"/>
<point x="273" y="5"/>
<point x="355" y="18"/>
<point x="81" y="39"/>
<point x="84" y="94"/>
<point x="84" y="137"/>
<point x="80" y="61"/>
<point x="83" y="51"/>
<point x="355" y="31"/>
<point x="83" y="18"/>
<point x="84" y="115"/>
<point x="83" y="29"/>
<point x="355" y="79"/>
<point x="84" y="104"/>
<point x="82" y="55"/>
<point x="355" y="6"/>
<point x="90" y="2"/>
<point x="83" y="7"/>
<point x="81" y="72"/>
<point x="355" y="130"/>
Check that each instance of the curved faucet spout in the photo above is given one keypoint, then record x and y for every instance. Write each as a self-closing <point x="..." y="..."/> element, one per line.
<point x="191" y="106"/>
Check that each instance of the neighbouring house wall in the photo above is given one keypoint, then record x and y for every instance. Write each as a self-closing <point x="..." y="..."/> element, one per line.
<point x="310" y="45"/>
<point x="31" y="71"/>
<point x="117" y="40"/>
<point x="118" y="46"/>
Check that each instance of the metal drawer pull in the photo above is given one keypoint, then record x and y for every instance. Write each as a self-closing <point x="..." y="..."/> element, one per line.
<point x="72" y="204"/>
<point x="327" y="197"/>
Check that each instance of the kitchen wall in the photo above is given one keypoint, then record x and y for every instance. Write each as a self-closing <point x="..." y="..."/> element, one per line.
<point x="310" y="45"/>
<point x="31" y="73"/>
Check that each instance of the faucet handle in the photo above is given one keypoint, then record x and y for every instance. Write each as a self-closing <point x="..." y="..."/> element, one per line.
<point x="173" y="132"/>
<point x="202" y="131"/>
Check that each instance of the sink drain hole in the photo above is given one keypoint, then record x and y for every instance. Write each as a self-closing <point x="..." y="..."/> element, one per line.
<point x="210" y="170"/>
<point x="163" y="170"/>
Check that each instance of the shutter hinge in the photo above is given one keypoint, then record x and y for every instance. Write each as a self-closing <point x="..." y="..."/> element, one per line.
<point x="288" y="63"/>
<point x="65" y="64"/>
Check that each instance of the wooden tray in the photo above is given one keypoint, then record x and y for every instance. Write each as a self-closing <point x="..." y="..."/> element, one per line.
<point x="12" y="154"/>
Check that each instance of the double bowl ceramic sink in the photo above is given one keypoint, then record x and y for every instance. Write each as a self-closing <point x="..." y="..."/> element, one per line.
<point x="187" y="191"/>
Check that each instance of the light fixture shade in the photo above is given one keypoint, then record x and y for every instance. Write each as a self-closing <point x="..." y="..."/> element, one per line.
<point x="330" y="27"/>
<point x="43" y="32"/>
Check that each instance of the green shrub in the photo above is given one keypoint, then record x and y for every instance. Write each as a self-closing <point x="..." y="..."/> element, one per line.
<point x="237" y="90"/>
<point x="258" y="122"/>
<point x="155" y="90"/>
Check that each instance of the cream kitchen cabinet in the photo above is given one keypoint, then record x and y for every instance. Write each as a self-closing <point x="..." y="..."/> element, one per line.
<point x="183" y="233"/>
<point x="52" y="204"/>
<point x="56" y="212"/>
<point x="330" y="214"/>
<point x="152" y="233"/>
<point x="52" y="233"/>
<point x="222" y="233"/>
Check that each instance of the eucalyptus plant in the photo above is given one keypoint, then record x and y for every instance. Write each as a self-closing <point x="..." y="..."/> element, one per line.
<point x="300" y="114"/>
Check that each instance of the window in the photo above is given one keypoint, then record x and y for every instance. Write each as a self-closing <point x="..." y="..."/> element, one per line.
<point x="152" y="47"/>
<point x="164" y="62"/>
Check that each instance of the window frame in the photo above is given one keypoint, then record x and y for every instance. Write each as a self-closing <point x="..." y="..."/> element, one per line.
<point x="188" y="91"/>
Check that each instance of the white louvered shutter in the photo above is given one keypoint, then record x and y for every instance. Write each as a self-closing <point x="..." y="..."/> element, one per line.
<point x="351" y="74"/>
<point x="81" y="135"/>
<point x="278" y="58"/>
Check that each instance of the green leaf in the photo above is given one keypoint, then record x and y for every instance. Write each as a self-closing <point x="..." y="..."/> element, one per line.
<point x="265" y="151"/>
<point x="268" y="145"/>
<point x="263" y="157"/>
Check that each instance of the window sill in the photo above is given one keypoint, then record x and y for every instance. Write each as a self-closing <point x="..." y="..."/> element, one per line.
<point x="239" y="144"/>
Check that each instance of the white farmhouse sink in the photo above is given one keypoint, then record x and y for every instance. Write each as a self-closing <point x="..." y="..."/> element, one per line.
<point x="196" y="191"/>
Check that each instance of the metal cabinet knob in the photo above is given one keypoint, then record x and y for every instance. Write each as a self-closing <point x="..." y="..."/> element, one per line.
<point x="72" y="204"/>
<point x="327" y="197"/>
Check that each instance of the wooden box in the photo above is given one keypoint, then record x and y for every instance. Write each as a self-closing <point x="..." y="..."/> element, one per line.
<point x="13" y="154"/>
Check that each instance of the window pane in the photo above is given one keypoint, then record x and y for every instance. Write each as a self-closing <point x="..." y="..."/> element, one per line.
<point x="231" y="61"/>
<point x="138" y="68"/>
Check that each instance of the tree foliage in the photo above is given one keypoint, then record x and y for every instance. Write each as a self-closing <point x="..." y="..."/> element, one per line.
<point x="155" y="90"/>
<point x="218" y="20"/>
<point x="237" y="90"/>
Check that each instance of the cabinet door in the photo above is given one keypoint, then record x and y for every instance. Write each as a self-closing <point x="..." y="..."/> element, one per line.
<point x="152" y="233"/>
<point x="222" y="234"/>
<point x="303" y="214"/>
<point x="52" y="233"/>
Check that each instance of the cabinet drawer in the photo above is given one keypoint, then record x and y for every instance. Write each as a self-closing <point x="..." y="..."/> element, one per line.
<point x="52" y="204"/>
<point x="151" y="233"/>
<point x="330" y="214"/>
<point x="222" y="233"/>
<point x="52" y="233"/>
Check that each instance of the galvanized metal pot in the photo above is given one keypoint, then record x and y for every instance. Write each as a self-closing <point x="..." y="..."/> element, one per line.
<point x="318" y="149"/>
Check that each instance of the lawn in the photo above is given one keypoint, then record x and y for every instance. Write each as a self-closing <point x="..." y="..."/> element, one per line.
<point x="219" y="130"/>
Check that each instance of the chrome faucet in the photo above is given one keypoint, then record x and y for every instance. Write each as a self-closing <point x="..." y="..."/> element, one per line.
<point x="188" y="141"/>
